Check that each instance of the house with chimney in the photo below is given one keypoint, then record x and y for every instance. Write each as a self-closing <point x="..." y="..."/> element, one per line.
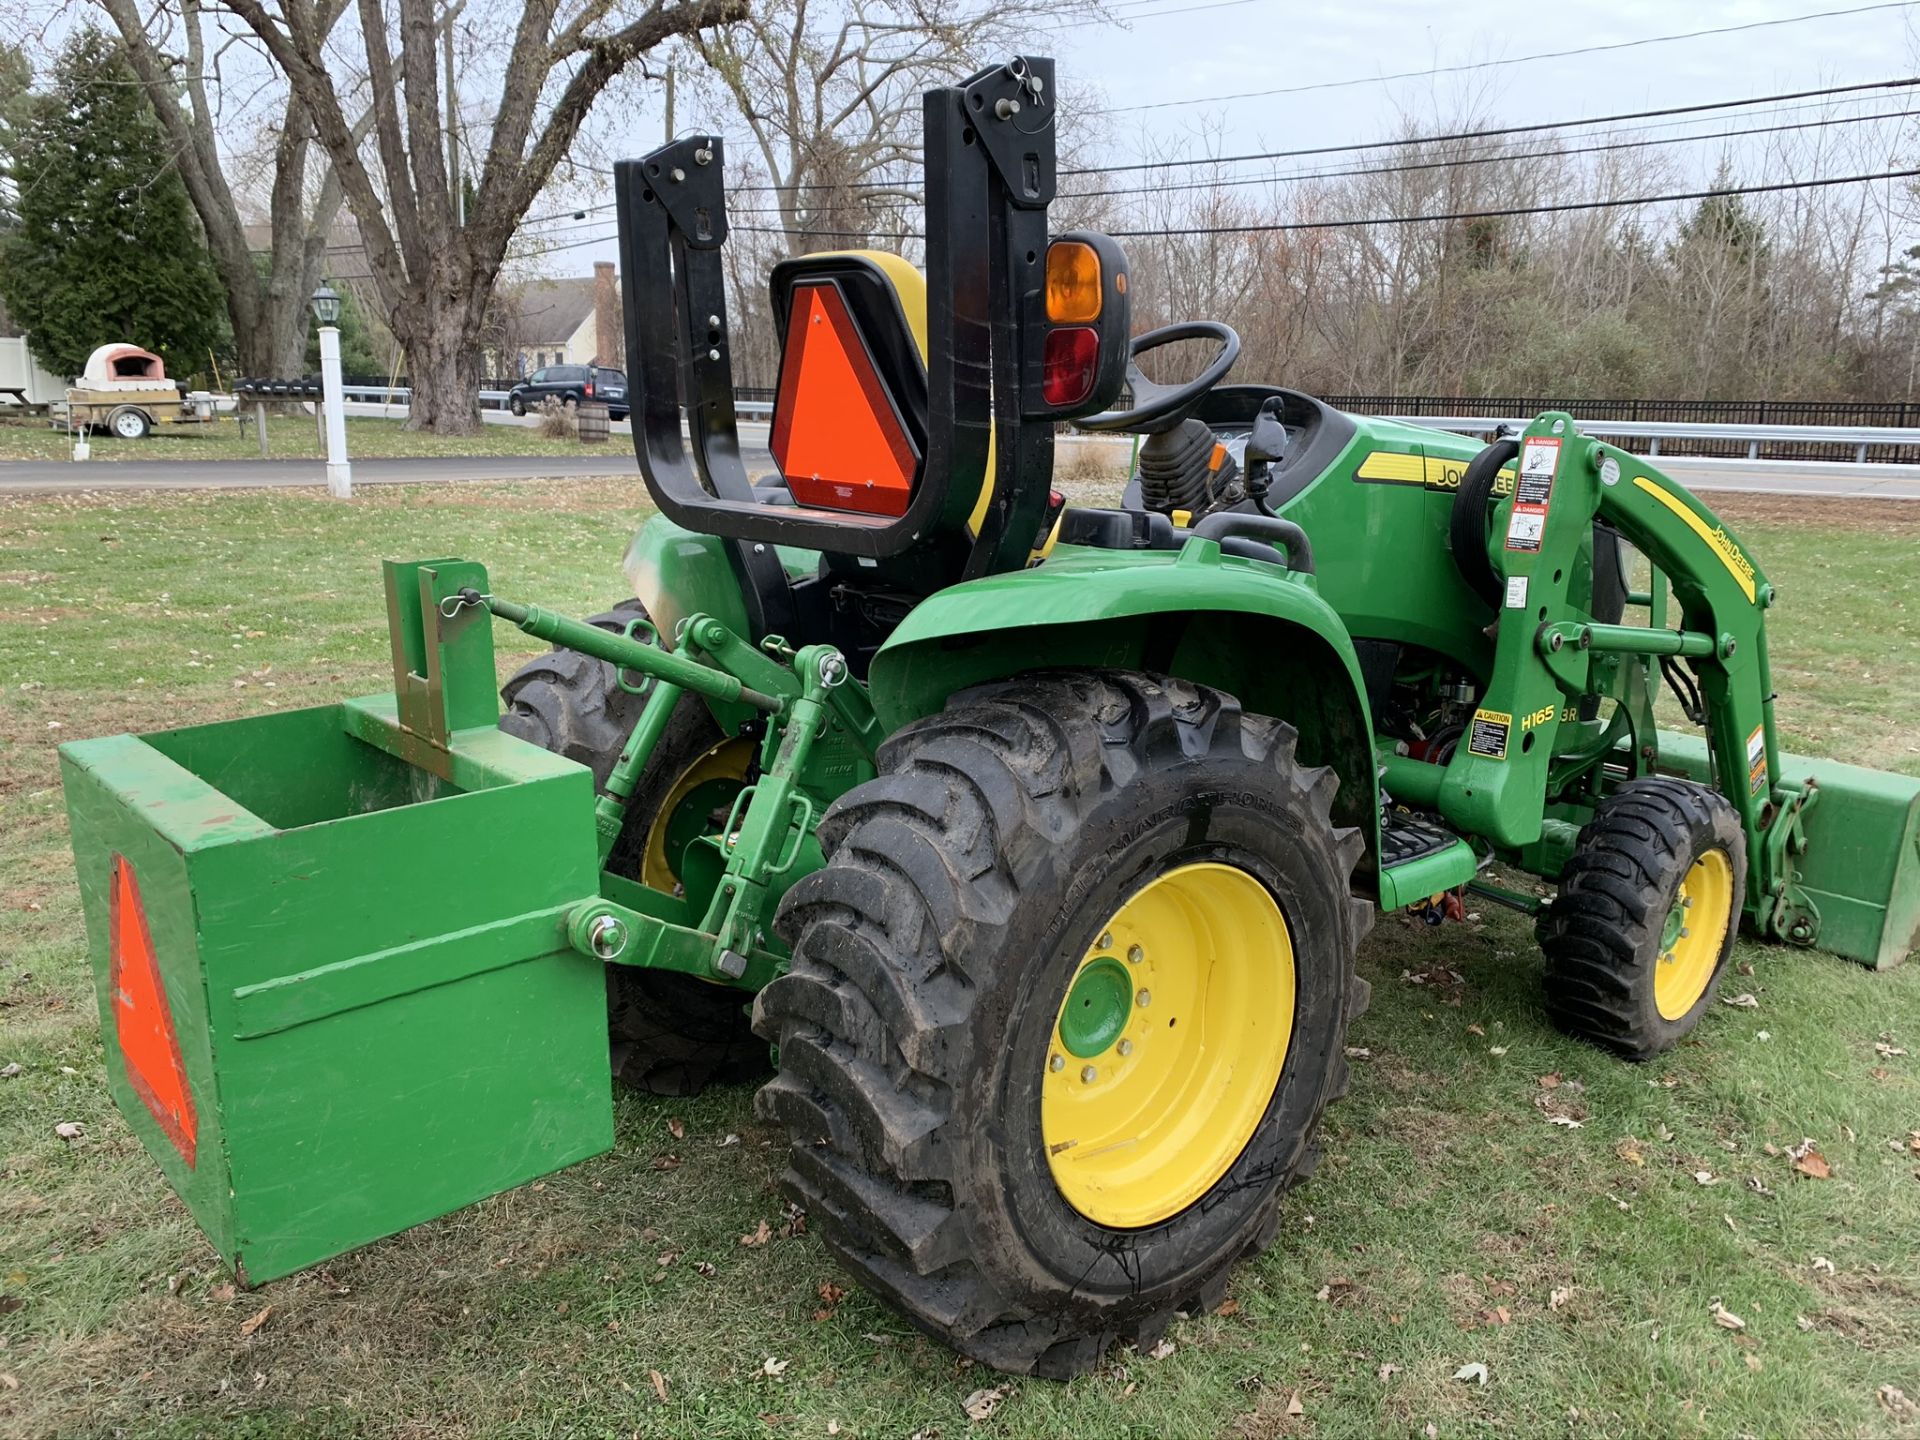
<point x="573" y="320"/>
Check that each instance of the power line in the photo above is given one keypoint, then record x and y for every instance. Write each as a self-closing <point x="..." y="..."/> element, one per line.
<point x="1347" y="224"/>
<point x="1450" y="163"/>
<point x="1557" y="209"/>
<point x="1495" y="131"/>
<point x="1514" y="60"/>
<point x="1704" y="107"/>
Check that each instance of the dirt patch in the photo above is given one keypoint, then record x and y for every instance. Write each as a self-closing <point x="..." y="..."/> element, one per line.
<point x="1834" y="514"/>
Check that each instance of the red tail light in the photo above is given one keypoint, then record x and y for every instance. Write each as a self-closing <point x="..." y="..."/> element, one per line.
<point x="589" y="387"/>
<point x="1068" y="363"/>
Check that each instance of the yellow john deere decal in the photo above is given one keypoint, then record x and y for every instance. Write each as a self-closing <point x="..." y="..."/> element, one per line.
<point x="1717" y="538"/>
<point x="1397" y="467"/>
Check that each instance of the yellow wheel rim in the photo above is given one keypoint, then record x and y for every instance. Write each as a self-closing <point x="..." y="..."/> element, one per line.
<point x="1691" y="939"/>
<point x="1168" y="1046"/>
<point x="709" y="773"/>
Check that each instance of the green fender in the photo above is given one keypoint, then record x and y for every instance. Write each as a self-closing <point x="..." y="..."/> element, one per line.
<point x="1245" y="626"/>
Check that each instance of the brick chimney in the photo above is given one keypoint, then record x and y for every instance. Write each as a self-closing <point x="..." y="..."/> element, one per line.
<point x="609" y="334"/>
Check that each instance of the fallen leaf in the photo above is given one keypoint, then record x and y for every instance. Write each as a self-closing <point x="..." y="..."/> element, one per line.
<point x="1559" y="1296"/>
<point x="1496" y="1050"/>
<point x="1294" y="1407"/>
<point x="1753" y="1362"/>
<point x="1803" y="1322"/>
<point x="1388" y="1371"/>
<point x="706" y="1268"/>
<point x="1566" y="1122"/>
<point x="982" y="1403"/>
<point x="9" y="1382"/>
<point x="667" y="1258"/>
<point x="1336" y="1290"/>
<point x="70" y="1130"/>
<point x="1822" y="1265"/>
<point x="1471" y="1030"/>
<point x="666" y="1162"/>
<point x="222" y="1293"/>
<point x="659" y="1383"/>
<point x="1896" y="1403"/>
<point x="1474" y="1371"/>
<point x="758" y="1236"/>
<point x="1663" y="1134"/>
<point x="1814" y="1166"/>
<point x="833" y="1427"/>
<point x="1726" y="1319"/>
<point x="10" y="1069"/>
<point x="729" y="1139"/>
<point x="1705" y="1177"/>
<point x="254" y="1321"/>
<point x="10" y="1304"/>
<point x="1499" y="1315"/>
<point x="1163" y="1349"/>
<point x="1629" y="1151"/>
<point x="1550" y="1082"/>
<point x="676" y="1127"/>
<point x="1227" y="1308"/>
<point x="831" y="1293"/>
<point x="1359" y="1052"/>
<point x="1881" y="1047"/>
<point x="1745" y="1000"/>
<point x="1745" y="967"/>
<point x="771" y="1366"/>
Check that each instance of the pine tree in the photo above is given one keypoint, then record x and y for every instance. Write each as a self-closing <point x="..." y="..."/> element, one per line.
<point x="106" y="247"/>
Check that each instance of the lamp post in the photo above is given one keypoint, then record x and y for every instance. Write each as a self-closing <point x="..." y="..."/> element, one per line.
<point x="326" y="309"/>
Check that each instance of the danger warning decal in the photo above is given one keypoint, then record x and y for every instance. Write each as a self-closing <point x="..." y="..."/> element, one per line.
<point x="1532" y="492"/>
<point x="1757" y="760"/>
<point x="142" y="1021"/>
<point x="1489" y="734"/>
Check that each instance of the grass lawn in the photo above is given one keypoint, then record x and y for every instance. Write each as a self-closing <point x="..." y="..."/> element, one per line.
<point x="293" y="437"/>
<point x="1452" y="1224"/>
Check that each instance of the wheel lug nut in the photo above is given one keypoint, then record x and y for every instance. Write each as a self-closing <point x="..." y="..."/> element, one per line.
<point x="1135" y="954"/>
<point x="1686" y="902"/>
<point x="1057" y="1064"/>
<point x="1684" y="932"/>
<point x="1087" y="1075"/>
<point x="1106" y="941"/>
<point x="1126" y="1047"/>
<point x="1143" y="999"/>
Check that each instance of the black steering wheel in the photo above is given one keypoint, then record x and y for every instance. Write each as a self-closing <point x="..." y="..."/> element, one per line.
<point x="1158" y="408"/>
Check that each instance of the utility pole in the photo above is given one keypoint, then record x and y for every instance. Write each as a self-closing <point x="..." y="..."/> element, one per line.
<point x="669" y="102"/>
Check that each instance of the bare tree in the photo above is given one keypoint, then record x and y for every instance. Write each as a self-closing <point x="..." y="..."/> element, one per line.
<point x="166" y="43"/>
<point x="830" y="92"/>
<point x="435" y="254"/>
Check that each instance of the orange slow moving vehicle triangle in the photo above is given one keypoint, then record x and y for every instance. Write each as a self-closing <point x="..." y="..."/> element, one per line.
<point x="142" y="1022"/>
<point x="837" y="437"/>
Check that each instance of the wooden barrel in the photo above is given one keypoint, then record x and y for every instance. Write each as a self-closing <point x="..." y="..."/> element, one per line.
<point x="592" y="420"/>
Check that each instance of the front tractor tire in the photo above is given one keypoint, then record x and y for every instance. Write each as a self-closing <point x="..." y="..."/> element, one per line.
<point x="1066" y="1004"/>
<point x="1646" y="916"/>
<point x="670" y="1034"/>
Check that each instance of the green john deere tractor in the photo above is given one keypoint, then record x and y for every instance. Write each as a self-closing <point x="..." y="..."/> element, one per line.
<point x="1023" y="849"/>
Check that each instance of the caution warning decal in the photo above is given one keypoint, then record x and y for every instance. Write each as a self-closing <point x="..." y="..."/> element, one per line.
<point x="1489" y="734"/>
<point x="142" y="1021"/>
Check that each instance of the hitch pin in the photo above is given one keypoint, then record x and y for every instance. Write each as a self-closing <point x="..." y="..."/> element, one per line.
<point x="454" y="604"/>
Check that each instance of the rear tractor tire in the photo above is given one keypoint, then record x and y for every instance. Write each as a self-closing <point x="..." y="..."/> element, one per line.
<point x="1066" y="1004"/>
<point x="670" y="1034"/>
<point x="1645" y="920"/>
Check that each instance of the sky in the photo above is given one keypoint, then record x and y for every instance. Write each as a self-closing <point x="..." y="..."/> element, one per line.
<point x="1196" y="50"/>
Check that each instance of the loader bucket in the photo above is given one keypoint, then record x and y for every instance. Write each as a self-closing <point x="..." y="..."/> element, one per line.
<point x="1861" y="866"/>
<point x="336" y="992"/>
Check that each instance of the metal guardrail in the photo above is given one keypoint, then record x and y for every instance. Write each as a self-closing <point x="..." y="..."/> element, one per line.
<point x="1860" y="438"/>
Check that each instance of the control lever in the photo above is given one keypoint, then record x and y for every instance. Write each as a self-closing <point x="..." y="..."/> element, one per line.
<point x="1268" y="438"/>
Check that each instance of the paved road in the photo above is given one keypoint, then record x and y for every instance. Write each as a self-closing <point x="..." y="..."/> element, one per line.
<point x="1836" y="481"/>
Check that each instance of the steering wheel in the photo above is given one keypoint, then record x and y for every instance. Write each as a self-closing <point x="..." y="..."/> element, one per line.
<point x="1158" y="408"/>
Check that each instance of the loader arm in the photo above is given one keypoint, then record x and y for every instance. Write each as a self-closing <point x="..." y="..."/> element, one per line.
<point x="1510" y="772"/>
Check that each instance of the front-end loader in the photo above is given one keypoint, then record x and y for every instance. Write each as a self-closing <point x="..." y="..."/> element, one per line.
<point x="1021" y="850"/>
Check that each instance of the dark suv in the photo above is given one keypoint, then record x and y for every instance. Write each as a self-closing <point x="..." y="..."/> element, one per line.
<point x="571" y="385"/>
